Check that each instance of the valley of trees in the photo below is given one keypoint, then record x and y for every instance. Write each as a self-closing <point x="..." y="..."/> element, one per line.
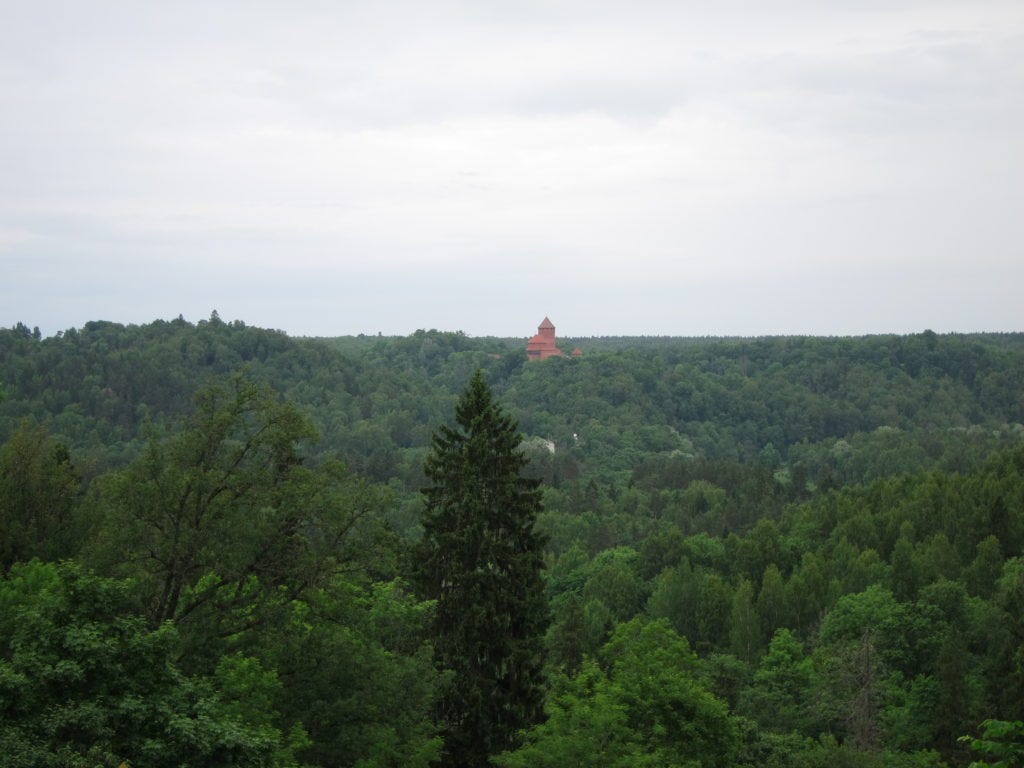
<point x="215" y="549"/>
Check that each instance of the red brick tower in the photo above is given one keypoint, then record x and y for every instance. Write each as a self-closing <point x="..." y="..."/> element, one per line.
<point x="542" y="346"/>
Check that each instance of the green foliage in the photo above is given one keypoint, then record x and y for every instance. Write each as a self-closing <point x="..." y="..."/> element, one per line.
<point x="984" y="571"/>
<point x="358" y="674"/>
<point x="84" y="681"/>
<point x="852" y="505"/>
<point x="222" y="520"/>
<point x="612" y="579"/>
<point x="39" y="488"/>
<point x="781" y="696"/>
<point x="658" y="676"/>
<point x="1001" y="741"/>
<point x="838" y="411"/>
<point x="644" y="706"/>
<point x="745" y="631"/>
<point x="587" y="725"/>
<point x="771" y="601"/>
<point x="480" y="559"/>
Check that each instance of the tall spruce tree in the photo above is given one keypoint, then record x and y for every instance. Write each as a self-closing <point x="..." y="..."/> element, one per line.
<point x="481" y="559"/>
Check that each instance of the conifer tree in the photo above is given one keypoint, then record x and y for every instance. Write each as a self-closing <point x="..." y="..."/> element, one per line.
<point x="481" y="558"/>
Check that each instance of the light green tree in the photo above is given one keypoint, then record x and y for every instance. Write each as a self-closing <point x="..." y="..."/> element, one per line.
<point x="84" y="681"/>
<point x="644" y="705"/>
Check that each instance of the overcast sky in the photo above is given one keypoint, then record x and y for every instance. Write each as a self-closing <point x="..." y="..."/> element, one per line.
<point x="685" y="168"/>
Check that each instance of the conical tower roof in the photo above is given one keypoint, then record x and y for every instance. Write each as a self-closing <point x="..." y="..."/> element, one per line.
<point x="546" y="323"/>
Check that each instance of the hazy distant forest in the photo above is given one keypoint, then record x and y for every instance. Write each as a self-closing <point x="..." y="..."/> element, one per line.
<point x="784" y="551"/>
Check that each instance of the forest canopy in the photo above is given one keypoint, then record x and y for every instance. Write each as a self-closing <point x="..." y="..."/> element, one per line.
<point x="757" y="552"/>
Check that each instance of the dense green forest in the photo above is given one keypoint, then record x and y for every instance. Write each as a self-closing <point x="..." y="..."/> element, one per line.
<point x="782" y="551"/>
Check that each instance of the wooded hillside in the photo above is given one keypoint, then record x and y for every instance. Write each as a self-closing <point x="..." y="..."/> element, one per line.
<point x="764" y="552"/>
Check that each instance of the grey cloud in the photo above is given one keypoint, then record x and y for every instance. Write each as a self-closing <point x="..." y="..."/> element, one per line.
<point x="296" y="164"/>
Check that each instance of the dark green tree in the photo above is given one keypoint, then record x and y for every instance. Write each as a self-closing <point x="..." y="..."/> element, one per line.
<point x="480" y="559"/>
<point x="953" y="707"/>
<point x="194" y="512"/>
<point x="222" y="525"/>
<point x="745" y="629"/>
<point x="39" y="487"/>
<point x="780" y="697"/>
<point x="771" y="601"/>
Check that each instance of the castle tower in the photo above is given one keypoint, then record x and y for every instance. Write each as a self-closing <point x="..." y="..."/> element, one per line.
<point x="542" y="346"/>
